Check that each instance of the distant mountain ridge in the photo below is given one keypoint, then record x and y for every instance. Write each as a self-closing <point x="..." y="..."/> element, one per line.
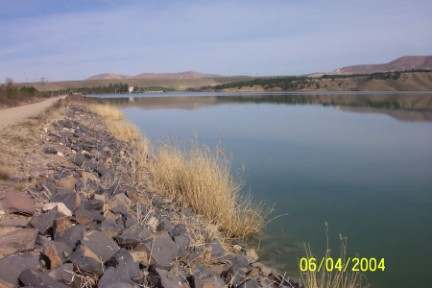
<point x="107" y="76"/>
<point x="175" y="75"/>
<point x="400" y="64"/>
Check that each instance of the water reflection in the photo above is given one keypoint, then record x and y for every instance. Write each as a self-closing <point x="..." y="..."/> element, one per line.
<point x="402" y="106"/>
<point x="367" y="175"/>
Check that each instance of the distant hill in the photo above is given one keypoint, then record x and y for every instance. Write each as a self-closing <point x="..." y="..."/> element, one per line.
<point x="179" y="75"/>
<point x="420" y="80"/>
<point x="400" y="64"/>
<point x="107" y="76"/>
<point x="161" y="76"/>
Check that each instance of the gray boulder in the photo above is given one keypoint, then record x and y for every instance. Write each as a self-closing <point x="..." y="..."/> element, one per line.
<point x="163" y="250"/>
<point x="33" y="278"/>
<point x="12" y="266"/>
<point x="100" y="244"/>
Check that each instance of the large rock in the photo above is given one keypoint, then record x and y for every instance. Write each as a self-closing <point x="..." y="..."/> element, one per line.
<point x="124" y="264"/>
<point x="121" y="285"/>
<point x="59" y="206"/>
<point x="103" y="246"/>
<point x="93" y="204"/>
<point x="67" y="182"/>
<point x="134" y="235"/>
<point x="87" y="261"/>
<point x="182" y="242"/>
<point x="111" y="228"/>
<point x="216" y="249"/>
<point x="119" y="199"/>
<point x="71" y="199"/>
<point x="18" y="202"/>
<point x="237" y="261"/>
<point x="34" y="278"/>
<point x="168" y="279"/>
<point x="119" y="203"/>
<point x="165" y="224"/>
<point x="14" y="220"/>
<point x="162" y="249"/>
<point x="56" y="252"/>
<point x="45" y="221"/>
<point x="250" y="283"/>
<point x="71" y="236"/>
<point x="114" y="278"/>
<point x="130" y="221"/>
<point x="178" y="230"/>
<point x="61" y="225"/>
<point x="236" y="277"/>
<point x="12" y="266"/>
<point x="88" y="217"/>
<point x="16" y="240"/>
<point x="203" y="278"/>
<point x="65" y="273"/>
<point x="237" y="270"/>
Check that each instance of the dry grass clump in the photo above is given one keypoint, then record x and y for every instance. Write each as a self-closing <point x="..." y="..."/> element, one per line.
<point x="343" y="278"/>
<point x="115" y="123"/>
<point x="108" y="112"/>
<point x="140" y="162"/>
<point x="201" y="179"/>
<point x="198" y="178"/>
<point x="123" y="130"/>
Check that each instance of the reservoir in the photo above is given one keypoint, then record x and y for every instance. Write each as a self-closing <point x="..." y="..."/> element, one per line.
<point x="362" y="166"/>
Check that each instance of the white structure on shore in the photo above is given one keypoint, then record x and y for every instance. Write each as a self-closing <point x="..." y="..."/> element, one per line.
<point x="131" y="89"/>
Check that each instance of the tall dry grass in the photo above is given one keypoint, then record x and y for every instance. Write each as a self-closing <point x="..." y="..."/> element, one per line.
<point x="115" y="123"/>
<point x="199" y="178"/>
<point x="343" y="278"/>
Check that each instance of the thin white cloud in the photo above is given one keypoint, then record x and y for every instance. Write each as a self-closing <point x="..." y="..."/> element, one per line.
<point x="233" y="37"/>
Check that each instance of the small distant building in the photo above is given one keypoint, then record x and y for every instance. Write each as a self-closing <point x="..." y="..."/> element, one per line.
<point x="131" y="89"/>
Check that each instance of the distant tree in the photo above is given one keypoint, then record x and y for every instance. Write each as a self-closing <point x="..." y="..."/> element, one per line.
<point x="9" y="82"/>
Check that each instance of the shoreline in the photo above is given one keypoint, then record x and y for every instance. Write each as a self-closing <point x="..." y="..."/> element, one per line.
<point x="95" y="204"/>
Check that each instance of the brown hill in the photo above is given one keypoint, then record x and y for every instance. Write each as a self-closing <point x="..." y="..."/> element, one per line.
<point x="179" y="75"/>
<point x="383" y="81"/>
<point x="108" y="76"/>
<point x="160" y="76"/>
<point x="168" y="83"/>
<point x="400" y="64"/>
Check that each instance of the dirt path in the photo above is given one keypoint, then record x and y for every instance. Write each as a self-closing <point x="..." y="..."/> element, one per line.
<point x="15" y="115"/>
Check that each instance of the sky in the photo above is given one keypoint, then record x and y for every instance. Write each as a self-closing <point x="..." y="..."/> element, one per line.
<point x="74" y="39"/>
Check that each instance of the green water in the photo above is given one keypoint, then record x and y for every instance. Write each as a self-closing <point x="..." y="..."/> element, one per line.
<point x="369" y="175"/>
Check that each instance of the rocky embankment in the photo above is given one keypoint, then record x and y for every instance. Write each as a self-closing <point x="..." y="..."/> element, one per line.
<point x="84" y="223"/>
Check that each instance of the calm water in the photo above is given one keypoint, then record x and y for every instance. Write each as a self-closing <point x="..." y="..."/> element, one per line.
<point x="369" y="175"/>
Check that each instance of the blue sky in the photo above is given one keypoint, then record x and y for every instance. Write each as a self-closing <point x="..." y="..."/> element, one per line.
<point x="73" y="39"/>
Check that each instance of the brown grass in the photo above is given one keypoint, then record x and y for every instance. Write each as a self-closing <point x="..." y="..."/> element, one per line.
<point x="343" y="278"/>
<point x="199" y="178"/>
<point x="115" y="123"/>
